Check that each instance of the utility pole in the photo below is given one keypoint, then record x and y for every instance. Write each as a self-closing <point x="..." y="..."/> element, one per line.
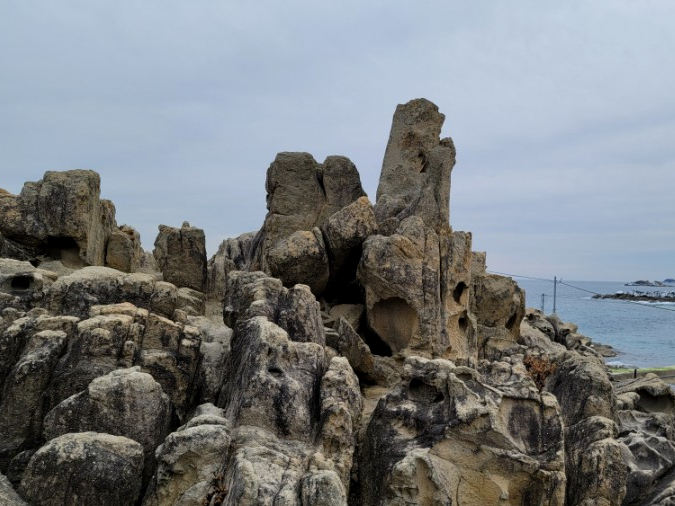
<point x="543" y="300"/>
<point x="555" y="286"/>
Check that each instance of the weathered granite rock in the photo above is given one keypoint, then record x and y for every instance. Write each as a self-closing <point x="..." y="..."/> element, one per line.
<point x="22" y="286"/>
<point x="301" y="194"/>
<point x="448" y="434"/>
<point x="232" y="255"/>
<point x="405" y="289"/>
<point x="124" y="402"/>
<point x="654" y="395"/>
<point x="86" y="468"/>
<point x="344" y="233"/>
<point x="595" y="465"/>
<point x="300" y="258"/>
<point x="21" y="402"/>
<point x="280" y="374"/>
<point x="415" y="177"/>
<point x="499" y="306"/>
<point x="62" y="215"/>
<point x="349" y="344"/>
<point x="295" y="310"/>
<point x="649" y="451"/>
<point x="123" y="251"/>
<point x="181" y="256"/>
<point x="14" y="250"/>
<point x="214" y="350"/>
<point x="188" y="461"/>
<point x="8" y="496"/>
<point x="341" y="406"/>
<point x="76" y="293"/>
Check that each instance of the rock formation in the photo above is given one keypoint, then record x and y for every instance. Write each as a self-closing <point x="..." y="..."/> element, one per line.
<point x="345" y="354"/>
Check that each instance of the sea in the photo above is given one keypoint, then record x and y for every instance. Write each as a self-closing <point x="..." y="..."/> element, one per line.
<point x="643" y="333"/>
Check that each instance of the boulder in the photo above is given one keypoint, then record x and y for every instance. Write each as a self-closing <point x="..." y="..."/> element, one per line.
<point x="301" y="194"/>
<point x="62" y="215"/>
<point x="76" y="293"/>
<point x="123" y="251"/>
<point x="181" y="256"/>
<point x="85" y="468"/>
<point x="301" y="258"/>
<point x="124" y="402"/>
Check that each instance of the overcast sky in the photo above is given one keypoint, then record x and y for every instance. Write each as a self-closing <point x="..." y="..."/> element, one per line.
<point x="563" y="113"/>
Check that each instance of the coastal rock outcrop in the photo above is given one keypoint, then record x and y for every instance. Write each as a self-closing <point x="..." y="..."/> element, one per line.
<point x="347" y="353"/>
<point x="181" y="256"/>
<point x="62" y="216"/>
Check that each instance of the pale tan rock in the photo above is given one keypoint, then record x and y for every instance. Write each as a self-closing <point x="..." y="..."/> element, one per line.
<point x="187" y="458"/>
<point x="415" y="177"/>
<point x="76" y="293"/>
<point x="181" y="256"/>
<point x="123" y="251"/>
<point x="341" y="406"/>
<point x="344" y="232"/>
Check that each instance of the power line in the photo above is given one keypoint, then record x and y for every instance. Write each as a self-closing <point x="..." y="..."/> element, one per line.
<point x="560" y="281"/>
<point x="617" y="300"/>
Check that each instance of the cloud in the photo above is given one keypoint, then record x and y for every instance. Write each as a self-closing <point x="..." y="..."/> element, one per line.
<point x="563" y="114"/>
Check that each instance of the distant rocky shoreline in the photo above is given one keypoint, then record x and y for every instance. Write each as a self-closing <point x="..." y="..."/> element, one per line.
<point x="639" y="296"/>
<point x="666" y="283"/>
<point x="345" y="354"/>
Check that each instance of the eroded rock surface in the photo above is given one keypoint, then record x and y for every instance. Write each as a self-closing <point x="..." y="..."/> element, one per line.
<point x="348" y="353"/>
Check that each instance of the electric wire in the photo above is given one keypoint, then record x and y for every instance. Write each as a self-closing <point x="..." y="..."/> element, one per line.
<point x="561" y="282"/>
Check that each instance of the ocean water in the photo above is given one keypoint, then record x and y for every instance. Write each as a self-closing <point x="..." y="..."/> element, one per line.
<point x="642" y="333"/>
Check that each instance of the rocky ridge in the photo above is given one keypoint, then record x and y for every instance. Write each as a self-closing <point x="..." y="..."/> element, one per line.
<point x="347" y="353"/>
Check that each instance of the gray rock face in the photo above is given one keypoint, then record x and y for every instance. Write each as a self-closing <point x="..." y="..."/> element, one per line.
<point x="20" y="404"/>
<point x="62" y="215"/>
<point x="99" y="470"/>
<point x="181" y="256"/>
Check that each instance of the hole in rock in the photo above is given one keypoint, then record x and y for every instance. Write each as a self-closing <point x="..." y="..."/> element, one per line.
<point x="421" y="392"/>
<point x="22" y="282"/>
<point x="275" y="371"/>
<point x="458" y="292"/>
<point x="463" y="323"/>
<point x="394" y="321"/>
<point x="377" y="346"/>
<point x="66" y="250"/>
<point x="511" y="322"/>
